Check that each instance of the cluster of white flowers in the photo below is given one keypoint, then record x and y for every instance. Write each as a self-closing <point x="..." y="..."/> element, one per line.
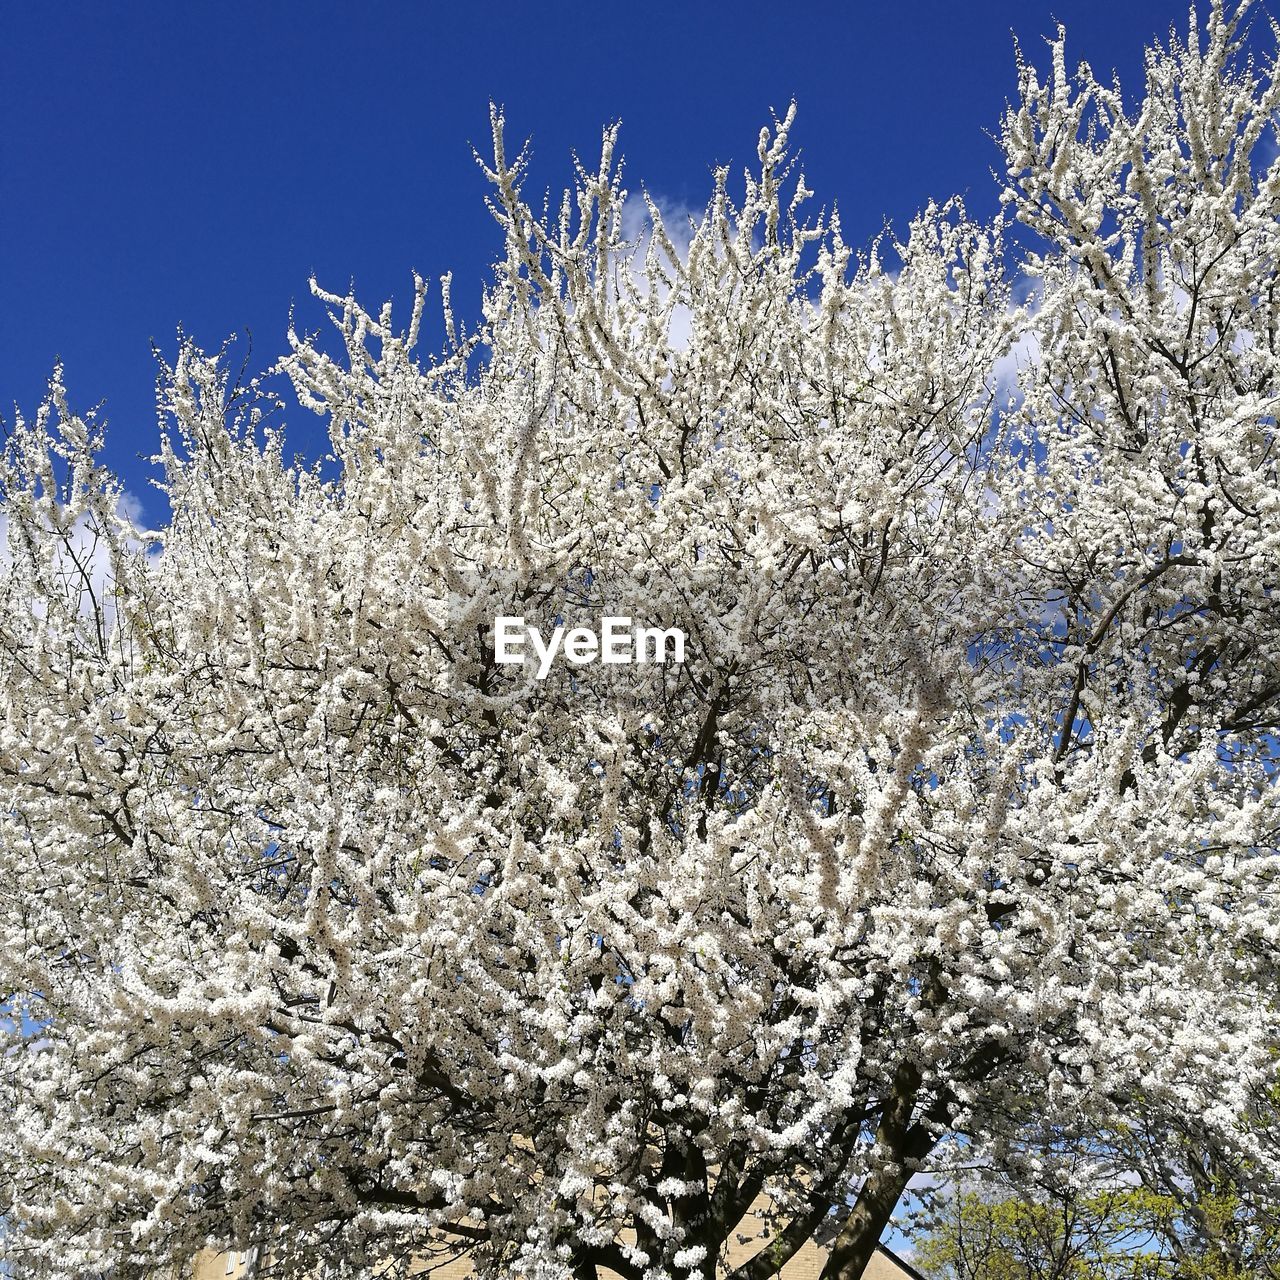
<point x="321" y="929"/>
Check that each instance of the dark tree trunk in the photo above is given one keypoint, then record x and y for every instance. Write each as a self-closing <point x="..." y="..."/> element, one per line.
<point x="856" y="1242"/>
<point x="902" y="1142"/>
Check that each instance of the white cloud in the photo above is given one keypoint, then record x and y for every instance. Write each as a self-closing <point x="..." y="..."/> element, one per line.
<point x="679" y="222"/>
<point x="84" y="562"/>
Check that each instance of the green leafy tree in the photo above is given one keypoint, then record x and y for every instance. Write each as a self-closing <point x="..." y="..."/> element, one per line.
<point x="978" y="1234"/>
<point x="1193" y="1231"/>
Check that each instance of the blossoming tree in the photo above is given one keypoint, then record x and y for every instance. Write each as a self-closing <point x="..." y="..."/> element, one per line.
<point x="322" y="929"/>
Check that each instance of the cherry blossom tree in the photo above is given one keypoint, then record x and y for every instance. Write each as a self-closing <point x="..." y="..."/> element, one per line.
<point x="956" y="824"/>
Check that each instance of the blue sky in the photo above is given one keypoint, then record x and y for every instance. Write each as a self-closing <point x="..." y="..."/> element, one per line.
<point x="192" y="164"/>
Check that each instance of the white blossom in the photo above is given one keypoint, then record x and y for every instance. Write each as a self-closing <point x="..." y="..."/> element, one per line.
<point x="957" y="823"/>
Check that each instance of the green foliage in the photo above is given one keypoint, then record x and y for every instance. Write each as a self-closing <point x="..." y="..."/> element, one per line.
<point x="977" y="1236"/>
<point x="1128" y="1233"/>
